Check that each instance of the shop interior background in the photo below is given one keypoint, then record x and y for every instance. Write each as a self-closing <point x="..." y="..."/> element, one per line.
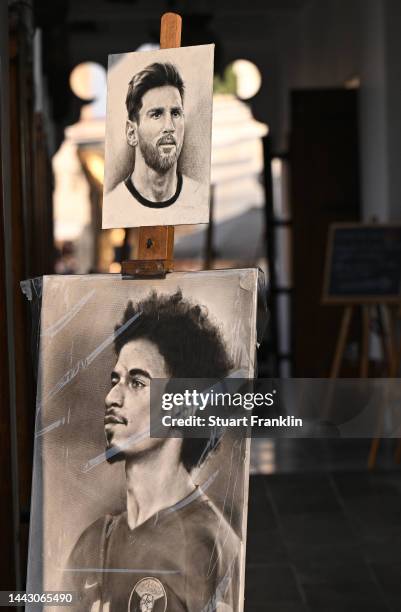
<point x="306" y="132"/>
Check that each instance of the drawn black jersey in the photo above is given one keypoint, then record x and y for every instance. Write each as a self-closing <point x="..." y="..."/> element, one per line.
<point x="182" y="559"/>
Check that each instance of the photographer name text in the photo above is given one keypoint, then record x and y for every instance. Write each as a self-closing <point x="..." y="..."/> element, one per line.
<point x="240" y="421"/>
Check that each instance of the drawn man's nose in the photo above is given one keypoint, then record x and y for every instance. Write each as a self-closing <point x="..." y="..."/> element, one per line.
<point x="114" y="397"/>
<point x="169" y="123"/>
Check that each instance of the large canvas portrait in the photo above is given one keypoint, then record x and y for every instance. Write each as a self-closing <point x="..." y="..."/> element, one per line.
<point x="158" y="137"/>
<point x="126" y="520"/>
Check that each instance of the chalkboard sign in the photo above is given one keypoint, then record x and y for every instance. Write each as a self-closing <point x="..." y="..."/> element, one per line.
<point x="363" y="264"/>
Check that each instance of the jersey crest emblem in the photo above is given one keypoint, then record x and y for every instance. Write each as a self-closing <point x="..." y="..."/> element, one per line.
<point x="148" y="595"/>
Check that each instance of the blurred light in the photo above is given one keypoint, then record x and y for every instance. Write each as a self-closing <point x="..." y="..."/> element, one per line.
<point x="88" y="80"/>
<point x="115" y="267"/>
<point x="71" y="198"/>
<point x="117" y="237"/>
<point x="280" y="188"/>
<point x="248" y="78"/>
<point x="353" y="82"/>
<point x="95" y="165"/>
<point x="263" y="456"/>
<point x="276" y="167"/>
<point x="148" y="46"/>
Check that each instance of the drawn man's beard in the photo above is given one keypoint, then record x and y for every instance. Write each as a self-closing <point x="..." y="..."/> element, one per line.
<point x="153" y="158"/>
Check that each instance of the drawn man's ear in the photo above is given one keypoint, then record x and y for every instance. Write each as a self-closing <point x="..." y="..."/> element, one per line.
<point x="131" y="132"/>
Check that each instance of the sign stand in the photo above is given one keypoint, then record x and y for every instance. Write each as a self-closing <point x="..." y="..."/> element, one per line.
<point x="156" y="244"/>
<point x="363" y="269"/>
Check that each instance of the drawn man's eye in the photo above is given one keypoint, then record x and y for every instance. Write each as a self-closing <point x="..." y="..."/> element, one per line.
<point x="137" y="384"/>
<point x="177" y="113"/>
<point x="156" y="114"/>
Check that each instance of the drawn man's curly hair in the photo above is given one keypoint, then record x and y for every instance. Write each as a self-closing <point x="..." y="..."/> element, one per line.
<point x="190" y="343"/>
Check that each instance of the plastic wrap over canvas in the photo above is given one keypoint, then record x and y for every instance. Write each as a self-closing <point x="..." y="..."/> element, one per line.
<point x="75" y="487"/>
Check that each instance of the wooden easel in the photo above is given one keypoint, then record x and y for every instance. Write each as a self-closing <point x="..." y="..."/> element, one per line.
<point x="384" y="316"/>
<point x="156" y="244"/>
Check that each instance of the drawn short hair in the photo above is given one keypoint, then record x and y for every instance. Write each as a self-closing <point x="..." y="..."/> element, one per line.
<point x="190" y="343"/>
<point x="155" y="75"/>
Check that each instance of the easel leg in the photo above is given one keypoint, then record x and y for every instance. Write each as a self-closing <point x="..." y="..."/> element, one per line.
<point x="397" y="455"/>
<point x="364" y="366"/>
<point x="389" y="331"/>
<point x="375" y="443"/>
<point x="374" y="448"/>
<point x="389" y="340"/>
<point x="389" y="356"/>
<point x="342" y="338"/>
<point x="364" y="371"/>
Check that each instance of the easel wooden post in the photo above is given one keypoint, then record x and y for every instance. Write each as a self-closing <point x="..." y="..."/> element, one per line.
<point x="342" y="339"/>
<point x="156" y="244"/>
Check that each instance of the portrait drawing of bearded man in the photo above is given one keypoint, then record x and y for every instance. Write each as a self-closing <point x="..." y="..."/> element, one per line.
<point x="155" y="192"/>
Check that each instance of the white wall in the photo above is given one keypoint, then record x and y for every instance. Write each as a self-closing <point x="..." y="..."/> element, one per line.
<point x="331" y="41"/>
<point x="392" y="41"/>
<point x="373" y="135"/>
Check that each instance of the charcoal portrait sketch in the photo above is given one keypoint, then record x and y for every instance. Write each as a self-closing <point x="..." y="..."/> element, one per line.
<point x="158" y="137"/>
<point x="125" y="520"/>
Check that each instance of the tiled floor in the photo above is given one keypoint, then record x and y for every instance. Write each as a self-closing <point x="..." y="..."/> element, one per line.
<point x="325" y="540"/>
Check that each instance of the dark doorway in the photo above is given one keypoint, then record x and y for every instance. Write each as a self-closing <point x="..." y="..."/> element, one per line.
<point x="324" y="189"/>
